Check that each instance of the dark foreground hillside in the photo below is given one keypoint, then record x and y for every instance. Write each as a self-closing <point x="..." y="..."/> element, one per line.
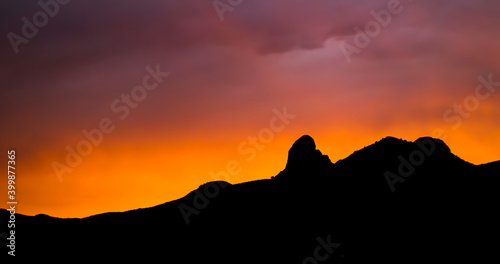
<point x="393" y="201"/>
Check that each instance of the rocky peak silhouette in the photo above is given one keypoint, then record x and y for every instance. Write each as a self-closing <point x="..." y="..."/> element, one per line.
<point x="439" y="202"/>
<point x="304" y="160"/>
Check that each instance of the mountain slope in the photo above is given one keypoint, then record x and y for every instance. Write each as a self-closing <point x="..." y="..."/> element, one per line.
<point x="392" y="201"/>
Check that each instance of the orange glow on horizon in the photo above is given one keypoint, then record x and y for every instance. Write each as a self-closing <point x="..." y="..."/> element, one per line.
<point x="123" y="178"/>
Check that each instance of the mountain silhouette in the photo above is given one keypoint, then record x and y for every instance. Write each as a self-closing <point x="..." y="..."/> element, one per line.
<point x="394" y="201"/>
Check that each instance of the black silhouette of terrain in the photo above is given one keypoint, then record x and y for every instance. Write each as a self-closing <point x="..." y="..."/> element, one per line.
<point x="439" y="209"/>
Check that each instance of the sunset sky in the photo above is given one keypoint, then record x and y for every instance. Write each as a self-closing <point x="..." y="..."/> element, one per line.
<point x="230" y="70"/>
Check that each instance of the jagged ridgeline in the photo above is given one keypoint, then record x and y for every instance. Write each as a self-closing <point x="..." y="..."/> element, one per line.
<point x="394" y="201"/>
